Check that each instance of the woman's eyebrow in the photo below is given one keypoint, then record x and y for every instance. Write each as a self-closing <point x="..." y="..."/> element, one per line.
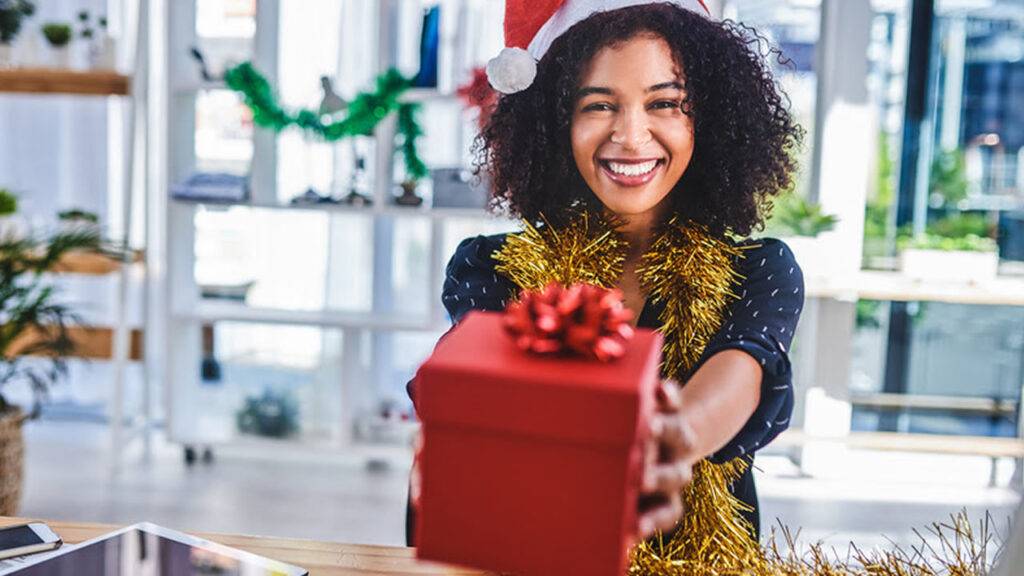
<point x="588" y="90"/>
<point x="665" y="86"/>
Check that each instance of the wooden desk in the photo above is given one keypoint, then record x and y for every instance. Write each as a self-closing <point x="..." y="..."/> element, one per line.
<point x="320" y="558"/>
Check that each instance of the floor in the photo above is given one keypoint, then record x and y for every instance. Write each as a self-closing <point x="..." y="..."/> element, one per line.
<point x="873" y="499"/>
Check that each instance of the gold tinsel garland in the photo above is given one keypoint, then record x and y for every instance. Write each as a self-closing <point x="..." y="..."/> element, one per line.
<point x="586" y="250"/>
<point x="712" y="538"/>
<point x="692" y="274"/>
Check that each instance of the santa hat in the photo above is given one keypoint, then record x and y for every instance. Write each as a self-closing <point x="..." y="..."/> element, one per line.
<point x="532" y="25"/>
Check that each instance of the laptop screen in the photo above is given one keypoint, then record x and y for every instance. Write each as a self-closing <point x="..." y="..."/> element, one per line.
<point x="155" y="551"/>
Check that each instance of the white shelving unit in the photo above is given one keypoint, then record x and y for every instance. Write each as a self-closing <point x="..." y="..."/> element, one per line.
<point x="387" y="210"/>
<point x="353" y="332"/>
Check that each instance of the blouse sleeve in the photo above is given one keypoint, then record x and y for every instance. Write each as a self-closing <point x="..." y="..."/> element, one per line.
<point x="470" y="280"/>
<point x="471" y="283"/>
<point x="761" y="323"/>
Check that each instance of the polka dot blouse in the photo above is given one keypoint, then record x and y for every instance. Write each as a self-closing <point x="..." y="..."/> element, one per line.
<point x="761" y="322"/>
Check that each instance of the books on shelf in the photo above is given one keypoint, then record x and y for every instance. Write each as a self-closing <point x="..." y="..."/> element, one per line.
<point x="212" y="187"/>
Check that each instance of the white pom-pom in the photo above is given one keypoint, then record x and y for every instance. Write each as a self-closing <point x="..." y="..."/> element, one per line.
<point x="512" y="70"/>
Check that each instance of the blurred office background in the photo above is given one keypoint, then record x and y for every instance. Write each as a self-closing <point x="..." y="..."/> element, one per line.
<point x="280" y="323"/>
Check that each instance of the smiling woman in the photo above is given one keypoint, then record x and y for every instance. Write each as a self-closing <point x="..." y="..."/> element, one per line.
<point x="661" y="128"/>
<point x="743" y="137"/>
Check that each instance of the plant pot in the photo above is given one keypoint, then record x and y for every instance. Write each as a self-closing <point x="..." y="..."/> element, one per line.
<point x="79" y="225"/>
<point x="61" y="57"/>
<point x="811" y="254"/>
<point x="949" y="265"/>
<point x="29" y="49"/>
<point x="6" y="56"/>
<point x="13" y="227"/>
<point x="12" y="446"/>
<point x="103" y="53"/>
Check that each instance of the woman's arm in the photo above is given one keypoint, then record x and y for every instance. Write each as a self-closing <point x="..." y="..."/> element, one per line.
<point x="720" y="398"/>
<point x="741" y="394"/>
<point x="692" y="423"/>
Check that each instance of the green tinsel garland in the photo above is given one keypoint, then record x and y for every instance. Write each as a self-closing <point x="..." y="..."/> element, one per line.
<point x="365" y="111"/>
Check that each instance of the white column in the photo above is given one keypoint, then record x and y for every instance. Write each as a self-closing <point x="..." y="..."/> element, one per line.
<point x="846" y="126"/>
<point x="263" y="179"/>
<point x="953" y="89"/>
<point x="845" y="144"/>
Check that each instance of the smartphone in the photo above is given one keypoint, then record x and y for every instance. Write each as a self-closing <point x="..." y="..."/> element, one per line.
<point x="27" y="539"/>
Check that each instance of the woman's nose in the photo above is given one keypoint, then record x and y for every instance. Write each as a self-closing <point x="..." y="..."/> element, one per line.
<point x="631" y="129"/>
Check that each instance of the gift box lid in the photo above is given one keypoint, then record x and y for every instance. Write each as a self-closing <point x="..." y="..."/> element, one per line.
<point x="478" y="378"/>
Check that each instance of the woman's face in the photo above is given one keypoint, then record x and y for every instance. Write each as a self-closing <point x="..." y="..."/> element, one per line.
<point x="630" y="138"/>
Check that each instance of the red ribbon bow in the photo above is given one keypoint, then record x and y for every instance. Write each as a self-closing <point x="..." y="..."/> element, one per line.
<point x="583" y="319"/>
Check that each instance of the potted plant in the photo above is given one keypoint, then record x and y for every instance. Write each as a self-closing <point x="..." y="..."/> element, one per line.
<point x="408" y="197"/>
<point x="104" y="57"/>
<point x="12" y="226"/>
<point x="798" y="223"/>
<point x="33" y="322"/>
<point x="76" y="220"/>
<point x="98" y="45"/>
<point x="12" y="12"/>
<point x="58" y="35"/>
<point x="930" y="256"/>
<point x="87" y="47"/>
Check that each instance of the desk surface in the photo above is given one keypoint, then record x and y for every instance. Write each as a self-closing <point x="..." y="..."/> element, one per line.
<point x="320" y="558"/>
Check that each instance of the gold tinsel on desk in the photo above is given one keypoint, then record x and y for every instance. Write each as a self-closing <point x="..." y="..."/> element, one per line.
<point x="692" y="274"/>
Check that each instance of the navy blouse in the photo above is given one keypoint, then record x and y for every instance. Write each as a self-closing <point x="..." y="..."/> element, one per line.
<point x="761" y="323"/>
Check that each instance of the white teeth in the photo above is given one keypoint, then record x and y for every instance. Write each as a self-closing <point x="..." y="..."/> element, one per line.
<point x="632" y="169"/>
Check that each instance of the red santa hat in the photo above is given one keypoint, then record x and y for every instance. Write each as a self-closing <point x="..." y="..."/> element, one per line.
<point x="532" y="25"/>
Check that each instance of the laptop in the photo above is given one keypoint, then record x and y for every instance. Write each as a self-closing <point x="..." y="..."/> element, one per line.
<point x="151" y="550"/>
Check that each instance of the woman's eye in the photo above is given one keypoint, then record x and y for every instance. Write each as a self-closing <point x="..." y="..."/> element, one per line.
<point x="665" y="104"/>
<point x="598" y="107"/>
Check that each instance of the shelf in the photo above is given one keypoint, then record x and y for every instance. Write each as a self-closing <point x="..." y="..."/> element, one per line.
<point x="418" y="95"/>
<point x="90" y="263"/>
<point x="388" y="210"/>
<point x="196" y="86"/>
<point x="894" y="286"/>
<point x="58" y="81"/>
<point x="412" y="95"/>
<point x="889" y="401"/>
<point x="90" y="342"/>
<point x="213" y="311"/>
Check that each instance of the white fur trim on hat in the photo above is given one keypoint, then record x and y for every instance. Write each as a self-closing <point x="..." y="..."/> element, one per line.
<point x="512" y="70"/>
<point x="572" y="12"/>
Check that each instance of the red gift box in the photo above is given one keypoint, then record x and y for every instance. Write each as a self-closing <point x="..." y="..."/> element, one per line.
<point x="531" y="464"/>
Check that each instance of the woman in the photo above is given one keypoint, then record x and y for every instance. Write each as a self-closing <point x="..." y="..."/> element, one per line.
<point x="668" y="124"/>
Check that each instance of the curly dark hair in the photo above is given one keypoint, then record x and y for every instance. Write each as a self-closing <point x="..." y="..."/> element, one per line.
<point x="745" y="138"/>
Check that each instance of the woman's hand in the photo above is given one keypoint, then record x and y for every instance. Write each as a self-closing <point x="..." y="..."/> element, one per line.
<point x="668" y="464"/>
<point x="415" y="479"/>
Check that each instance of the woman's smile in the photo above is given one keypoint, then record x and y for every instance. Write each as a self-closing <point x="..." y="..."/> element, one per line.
<point x="631" y="172"/>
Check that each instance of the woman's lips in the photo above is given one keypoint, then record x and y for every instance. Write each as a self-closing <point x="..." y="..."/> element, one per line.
<point x="631" y="172"/>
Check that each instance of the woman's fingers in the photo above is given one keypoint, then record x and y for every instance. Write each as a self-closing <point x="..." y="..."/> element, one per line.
<point x="669" y="478"/>
<point x="652" y="448"/>
<point x="415" y="479"/>
<point x="663" y="515"/>
<point x="675" y="437"/>
<point x="668" y="468"/>
<point x="415" y="485"/>
<point x="669" y="399"/>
